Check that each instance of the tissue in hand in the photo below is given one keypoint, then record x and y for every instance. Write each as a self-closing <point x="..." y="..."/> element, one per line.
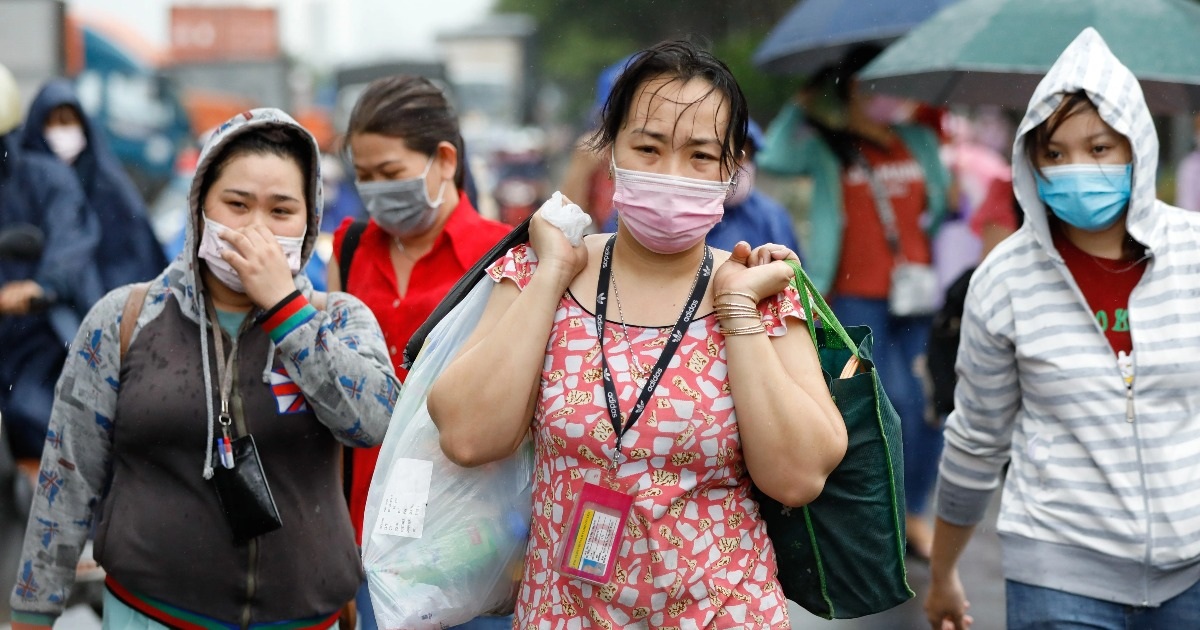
<point x="569" y="218"/>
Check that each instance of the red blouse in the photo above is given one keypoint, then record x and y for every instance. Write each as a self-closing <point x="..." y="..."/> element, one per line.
<point x="372" y="279"/>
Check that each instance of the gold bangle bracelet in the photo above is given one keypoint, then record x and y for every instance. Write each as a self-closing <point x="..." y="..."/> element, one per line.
<point x="745" y="330"/>
<point x="739" y="294"/>
<point x="727" y="311"/>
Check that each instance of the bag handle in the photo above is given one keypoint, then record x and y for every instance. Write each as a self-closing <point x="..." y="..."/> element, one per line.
<point x="809" y="296"/>
<point x="129" y="315"/>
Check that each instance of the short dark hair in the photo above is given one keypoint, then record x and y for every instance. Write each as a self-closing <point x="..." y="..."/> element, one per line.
<point x="284" y="141"/>
<point x="413" y="110"/>
<point x="1038" y="138"/>
<point x="681" y="61"/>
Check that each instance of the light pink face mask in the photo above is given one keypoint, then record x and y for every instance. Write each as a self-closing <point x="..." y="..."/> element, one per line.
<point x="667" y="214"/>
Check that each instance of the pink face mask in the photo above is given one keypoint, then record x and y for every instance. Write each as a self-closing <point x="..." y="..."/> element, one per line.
<point x="667" y="214"/>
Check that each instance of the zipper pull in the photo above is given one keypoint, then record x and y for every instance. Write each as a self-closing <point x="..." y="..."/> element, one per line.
<point x="224" y="443"/>
<point x="1129" y="403"/>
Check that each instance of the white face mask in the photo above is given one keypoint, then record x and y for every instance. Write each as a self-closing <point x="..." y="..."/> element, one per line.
<point x="211" y="246"/>
<point x="66" y="141"/>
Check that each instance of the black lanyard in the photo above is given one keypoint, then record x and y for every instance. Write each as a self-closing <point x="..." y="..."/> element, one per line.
<point x="668" y="351"/>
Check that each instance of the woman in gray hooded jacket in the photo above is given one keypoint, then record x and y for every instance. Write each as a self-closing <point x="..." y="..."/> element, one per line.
<point x="197" y="523"/>
<point x="1078" y="369"/>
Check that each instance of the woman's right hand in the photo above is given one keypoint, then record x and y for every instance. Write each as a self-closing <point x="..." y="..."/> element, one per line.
<point x="946" y="605"/>
<point x="555" y="254"/>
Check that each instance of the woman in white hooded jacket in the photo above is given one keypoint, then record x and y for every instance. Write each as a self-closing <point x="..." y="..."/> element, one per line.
<point x="1079" y="368"/>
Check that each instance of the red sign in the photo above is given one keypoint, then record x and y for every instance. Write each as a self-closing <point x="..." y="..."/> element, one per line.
<point x="210" y="33"/>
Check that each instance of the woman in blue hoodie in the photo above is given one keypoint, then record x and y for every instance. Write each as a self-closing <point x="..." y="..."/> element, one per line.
<point x="57" y="126"/>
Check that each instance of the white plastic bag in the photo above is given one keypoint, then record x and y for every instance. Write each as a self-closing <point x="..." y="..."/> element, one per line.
<point x="443" y="544"/>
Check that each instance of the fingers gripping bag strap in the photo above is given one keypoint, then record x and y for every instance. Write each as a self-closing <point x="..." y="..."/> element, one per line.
<point x="443" y="544"/>
<point x="842" y="555"/>
<point x="129" y="314"/>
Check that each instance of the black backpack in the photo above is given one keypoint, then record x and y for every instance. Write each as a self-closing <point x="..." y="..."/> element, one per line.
<point x="943" y="344"/>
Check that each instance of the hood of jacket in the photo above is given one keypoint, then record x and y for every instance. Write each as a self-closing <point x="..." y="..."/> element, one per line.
<point x="1088" y="65"/>
<point x="183" y="273"/>
<point x="55" y="93"/>
<point x="97" y="161"/>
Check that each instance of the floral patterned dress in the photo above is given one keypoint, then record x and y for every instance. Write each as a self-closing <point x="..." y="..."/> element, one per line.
<point x="695" y="553"/>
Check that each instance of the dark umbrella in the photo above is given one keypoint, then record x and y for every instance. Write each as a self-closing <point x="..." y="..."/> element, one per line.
<point x="818" y="32"/>
<point x="996" y="51"/>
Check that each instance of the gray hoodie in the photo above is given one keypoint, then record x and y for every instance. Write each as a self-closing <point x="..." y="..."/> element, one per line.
<point x="131" y="444"/>
<point x="1101" y="494"/>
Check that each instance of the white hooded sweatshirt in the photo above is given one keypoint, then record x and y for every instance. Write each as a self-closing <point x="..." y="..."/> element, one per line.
<point x="1102" y="496"/>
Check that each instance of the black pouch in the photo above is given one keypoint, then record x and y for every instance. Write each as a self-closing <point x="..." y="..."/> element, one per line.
<point x="244" y="494"/>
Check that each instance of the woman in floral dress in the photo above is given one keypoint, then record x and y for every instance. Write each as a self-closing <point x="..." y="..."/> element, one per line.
<point x="650" y="433"/>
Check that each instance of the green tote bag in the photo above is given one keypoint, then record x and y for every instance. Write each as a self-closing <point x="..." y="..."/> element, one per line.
<point x="842" y="556"/>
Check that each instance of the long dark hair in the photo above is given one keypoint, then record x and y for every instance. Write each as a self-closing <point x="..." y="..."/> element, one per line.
<point x="413" y="110"/>
<point x="682" y="61"/>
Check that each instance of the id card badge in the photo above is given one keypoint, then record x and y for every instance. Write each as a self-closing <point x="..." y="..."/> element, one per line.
<point x="594" y="532"/>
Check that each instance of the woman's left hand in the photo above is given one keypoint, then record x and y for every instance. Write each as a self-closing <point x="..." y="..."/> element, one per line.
<point x="759" y="272"/>
<point x="260" y="263"/>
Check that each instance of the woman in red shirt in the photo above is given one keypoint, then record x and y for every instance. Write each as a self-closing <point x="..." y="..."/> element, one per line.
<point x="423" y="233"/>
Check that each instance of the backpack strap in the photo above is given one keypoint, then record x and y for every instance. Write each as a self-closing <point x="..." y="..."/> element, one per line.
<point x="346" y="253"/>
<point x="129" y="315"/>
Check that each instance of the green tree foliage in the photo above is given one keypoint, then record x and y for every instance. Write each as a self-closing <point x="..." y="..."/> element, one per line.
<point x="576" y="40"/>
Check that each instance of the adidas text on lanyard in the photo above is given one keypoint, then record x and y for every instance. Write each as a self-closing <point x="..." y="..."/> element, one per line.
<point x="699" y="286"/>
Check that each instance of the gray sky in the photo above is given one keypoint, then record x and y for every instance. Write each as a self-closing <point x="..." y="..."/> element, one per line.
<point x="322" y="32"/>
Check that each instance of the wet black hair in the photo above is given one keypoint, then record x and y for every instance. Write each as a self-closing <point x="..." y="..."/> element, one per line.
<point x="282" y="141"/>
<point x="413" y="110"/>
<point x="682" y="61"/>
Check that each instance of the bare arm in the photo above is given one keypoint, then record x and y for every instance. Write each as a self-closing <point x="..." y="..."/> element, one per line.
<point x="946" y="605"/>
<point x="482" y="403"/>
<point x="792" y="433"/>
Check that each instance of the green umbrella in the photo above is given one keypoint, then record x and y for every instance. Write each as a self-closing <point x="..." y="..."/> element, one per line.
<point x="995" y="51"/>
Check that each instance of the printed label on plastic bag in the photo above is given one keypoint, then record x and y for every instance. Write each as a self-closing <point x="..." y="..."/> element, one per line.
<point x="402" y="512"/>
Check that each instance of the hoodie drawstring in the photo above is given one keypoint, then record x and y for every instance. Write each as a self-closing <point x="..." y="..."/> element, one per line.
<point x="208" y="390"/>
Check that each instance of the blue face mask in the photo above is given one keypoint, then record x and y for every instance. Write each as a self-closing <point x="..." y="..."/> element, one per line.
<point x="1088" y="196"/>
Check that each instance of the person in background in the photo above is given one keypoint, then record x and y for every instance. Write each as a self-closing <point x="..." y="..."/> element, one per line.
<point x="1187" y="174"/>
<point x="227" y="349"/>
<point x="750" y="214"/>
<point x="707" y="355"/>
<point x="56" y="125"/>
<point x="41" y="300"/>
<point x="1078" y="374"/>
<point x="587" y="180"/>
<point x="422" y="236"/>
<point x="833" y="132"/>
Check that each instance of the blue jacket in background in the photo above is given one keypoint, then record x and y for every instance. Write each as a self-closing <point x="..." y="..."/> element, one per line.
<point x="42" y="191"/>
<point x="128" y="250"/>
